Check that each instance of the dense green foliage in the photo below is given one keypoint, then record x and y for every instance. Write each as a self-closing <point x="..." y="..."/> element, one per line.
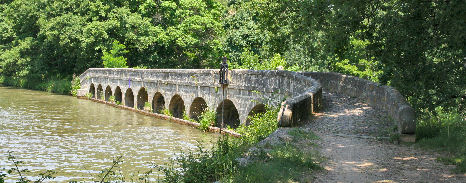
<point x="444" y="130"/>
<point x="261" y="126"/>
<point x="415" y="46"/>
<point x="114" y="58"/>
<point x="41" y="39"/>
<point x="207" y="119"/>
<point x="75" y="85"/>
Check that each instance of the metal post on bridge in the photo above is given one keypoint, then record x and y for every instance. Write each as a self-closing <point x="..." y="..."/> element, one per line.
<point x="224" y="82"/>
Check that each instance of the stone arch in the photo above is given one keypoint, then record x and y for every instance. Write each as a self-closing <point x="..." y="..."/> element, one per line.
<point x="129" y="98"/>
<point x="259" y="108"/>
<point x="142" y="98"/>
<point x="176" y="106"/>
<point x="92" y="90"/>
<point x="100" y="92"/>
<point x="118" y="95"/>
<point x="108" y="93"/>
<point x="231" y="115"/>
<point x="158" y="103"/>
<point x="197" y="108"/>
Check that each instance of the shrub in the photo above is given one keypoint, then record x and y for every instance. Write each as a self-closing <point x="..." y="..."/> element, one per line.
<point x="111" y="99"/>
<point x="204" y="166"/>
<point x="147" y="106"/>
<point x="114" y="58"/>
<point x="208" y="118"/>
<point x="167" y="112"/>
<point x="186" y="117"/>
<point x="75" y="85"/>
<point x="260" y="127"/>
<point x="444" y="130"/>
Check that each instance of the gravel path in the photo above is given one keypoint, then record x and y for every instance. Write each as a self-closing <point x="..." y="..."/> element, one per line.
<point x="348" y="132"/>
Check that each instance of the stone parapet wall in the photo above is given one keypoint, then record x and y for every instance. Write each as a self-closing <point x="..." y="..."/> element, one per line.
<point x="301" y="95"/>
<point x="374" y="94"/>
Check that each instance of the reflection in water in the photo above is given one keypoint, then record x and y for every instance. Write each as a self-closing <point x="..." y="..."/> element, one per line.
<point x="79" y="138"/>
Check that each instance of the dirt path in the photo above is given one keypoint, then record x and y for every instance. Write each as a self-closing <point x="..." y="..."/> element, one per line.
<point x="348" y="131"/>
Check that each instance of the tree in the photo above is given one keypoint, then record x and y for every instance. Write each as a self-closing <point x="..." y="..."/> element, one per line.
<point x="114" y="58"/>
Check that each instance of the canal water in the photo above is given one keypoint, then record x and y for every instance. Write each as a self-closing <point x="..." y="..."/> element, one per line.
<point x="79" y="138"/>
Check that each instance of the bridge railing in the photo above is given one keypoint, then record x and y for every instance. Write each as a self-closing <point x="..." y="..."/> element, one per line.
<point x="374" y="94"/>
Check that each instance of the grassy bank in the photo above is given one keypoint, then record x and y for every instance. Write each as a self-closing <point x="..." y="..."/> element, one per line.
<point x="444" y="131"/>
<point x="54" y="84"/>
<point x="231" y="159"/>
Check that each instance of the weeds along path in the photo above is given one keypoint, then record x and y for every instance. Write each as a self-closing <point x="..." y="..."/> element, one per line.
<point x="355" y="139"/>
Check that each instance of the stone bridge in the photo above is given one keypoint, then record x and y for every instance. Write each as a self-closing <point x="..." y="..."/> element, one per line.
<point x="191" y="91"/>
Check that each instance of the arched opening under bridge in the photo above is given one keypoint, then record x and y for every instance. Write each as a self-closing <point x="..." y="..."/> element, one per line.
<point x="230" y="114"/>
<point x="100" y="92"/>
<point x="142" y="98"/>
<point x="129" y="98"/>
<point x="118" y="95"/>
<point x="197" y="108"/>
<point x="92" y="90"/>
<point x="158" y="103"/>
<point x="259" y="108"/>
<point x="176" y="106"/>
<point x="108" y="93"/>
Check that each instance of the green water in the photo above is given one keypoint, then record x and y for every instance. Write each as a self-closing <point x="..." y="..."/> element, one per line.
<point x="79" y="138"/>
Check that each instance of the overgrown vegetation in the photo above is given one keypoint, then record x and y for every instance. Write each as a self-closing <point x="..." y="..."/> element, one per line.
<point x="75" y="85"/>
<point x="207" y="118"/>
<point x="282" y="163"/>
<point x="446" y="131"/>
<point x="166" y="112"/>
<point x="114" y="58"/>
<point x="147" y="106"/>
<point x="111" y="99"/>
<point x="55" y="85"/>
<point x="261" y="125"/>
<point x="186" y="117"/>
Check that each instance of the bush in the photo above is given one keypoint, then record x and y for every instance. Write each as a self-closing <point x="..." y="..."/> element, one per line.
<point x="249" y="60"/>
<point x="204" y="166"/>
<point x="111" y="99"/>
<point x="444" y="130"/>
<point x="186" y="117"/>
<point x="167" y="112"/>
<point x="114" y="58"/>
<point x="208" y="118"/>
<point x="280" y="164"/>
<point x="75" y="85"/>
<point x="147" y="106"/>
<point x="260" y="127"/>
<point x="220" y="162"/>
<point x="53" y="84"/>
